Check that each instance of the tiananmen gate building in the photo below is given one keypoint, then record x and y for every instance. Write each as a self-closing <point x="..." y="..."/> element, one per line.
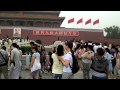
<point x="45" y="26"/>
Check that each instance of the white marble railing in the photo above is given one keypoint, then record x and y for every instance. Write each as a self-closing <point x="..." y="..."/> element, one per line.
<point x="23" y="43"/>
<point x="25" y="61"/>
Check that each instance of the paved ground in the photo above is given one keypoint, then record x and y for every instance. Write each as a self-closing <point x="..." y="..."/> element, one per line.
<point x="25" y="75"/>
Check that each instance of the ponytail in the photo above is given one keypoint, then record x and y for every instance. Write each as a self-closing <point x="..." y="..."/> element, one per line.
<point x="72" y="52"/>
<point x="73" y="56"/>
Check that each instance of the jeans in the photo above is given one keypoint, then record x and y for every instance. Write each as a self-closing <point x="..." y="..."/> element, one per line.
<point x="57" y="76"/>
<point x="94" y="77"/>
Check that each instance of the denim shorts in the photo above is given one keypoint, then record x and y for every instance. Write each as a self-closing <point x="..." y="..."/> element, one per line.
<point x="35" y="73"/>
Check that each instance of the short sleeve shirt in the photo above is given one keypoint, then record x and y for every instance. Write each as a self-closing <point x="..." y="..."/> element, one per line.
<point x="68" y="57"/>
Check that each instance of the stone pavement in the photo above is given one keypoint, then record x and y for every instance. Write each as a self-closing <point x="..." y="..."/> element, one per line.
<point x="78" y="75"/>
<point x="25" y="75"/>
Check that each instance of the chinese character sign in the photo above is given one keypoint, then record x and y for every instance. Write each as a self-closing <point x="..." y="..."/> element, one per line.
<point x="58" y="33"/>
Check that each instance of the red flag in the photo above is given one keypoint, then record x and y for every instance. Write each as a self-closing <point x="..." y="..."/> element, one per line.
<point x="80" y="21"/>
<point x="71" y="20"/>
<point x="88" y="21"/>
<point x="96" y="22"/>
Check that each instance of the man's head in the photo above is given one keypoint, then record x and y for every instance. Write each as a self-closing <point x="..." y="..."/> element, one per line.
<point x="4" y="48"/>
<point x="14" y="45"/>
<point x="89" y="48"/>
<point x="18" y="47"/>
<point x="100" y="52"/>
<point x="32" y="44"/>
<point x="39" y="47"/>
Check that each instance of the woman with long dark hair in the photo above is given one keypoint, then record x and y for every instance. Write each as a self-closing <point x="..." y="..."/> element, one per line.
<point x="67" y="61"/>
<point x="57" y="65"/>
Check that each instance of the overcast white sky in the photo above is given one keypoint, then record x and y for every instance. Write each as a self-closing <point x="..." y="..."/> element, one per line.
<point x="106" y="18"/>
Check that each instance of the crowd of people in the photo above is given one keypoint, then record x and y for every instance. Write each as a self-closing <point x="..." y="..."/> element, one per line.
<point x="14" y="60"/>
<point x="95" y="60"/>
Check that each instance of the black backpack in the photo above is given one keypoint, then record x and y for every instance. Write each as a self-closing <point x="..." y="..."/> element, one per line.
<point x="75" y="66"/>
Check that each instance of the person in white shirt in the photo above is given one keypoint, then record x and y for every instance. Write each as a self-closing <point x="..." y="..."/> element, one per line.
<point x="74" y="45"/>
<point x="57" y="68"/>
<point x="108" y="56"/>
<point x="35" y="65"/>
<point x="67" y="61"/>
<point x="105" y="46"/>
<point x="95" y="47"/>
<point x="100" y="45"/>
<point x="1" y="41"/>
<point x="10" y="41"/>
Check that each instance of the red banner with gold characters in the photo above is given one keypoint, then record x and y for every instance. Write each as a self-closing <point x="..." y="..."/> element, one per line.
<point x="57" y="33"/>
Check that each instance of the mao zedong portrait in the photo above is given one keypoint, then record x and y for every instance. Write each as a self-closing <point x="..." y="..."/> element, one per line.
<point x="17" y="33"/>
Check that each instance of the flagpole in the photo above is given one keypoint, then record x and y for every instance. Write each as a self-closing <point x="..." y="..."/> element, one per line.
<point x="90" y="25"/>
<point x="74" y="23"/>
<point x="82" y="23"/>
<point x="77" y="26"/>
<point x="98" y="24"/>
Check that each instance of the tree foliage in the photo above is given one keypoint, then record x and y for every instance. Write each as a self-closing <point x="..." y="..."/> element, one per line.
<point x="25" y="49"/>
<point x="113" y="32"/>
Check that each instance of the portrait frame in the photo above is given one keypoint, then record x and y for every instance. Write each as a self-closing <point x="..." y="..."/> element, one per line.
<point x="17" y="32"/>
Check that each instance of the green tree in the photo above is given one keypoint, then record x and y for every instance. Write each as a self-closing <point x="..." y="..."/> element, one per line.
<point x="25" y="49"/>
<point x="113" y="32"/>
